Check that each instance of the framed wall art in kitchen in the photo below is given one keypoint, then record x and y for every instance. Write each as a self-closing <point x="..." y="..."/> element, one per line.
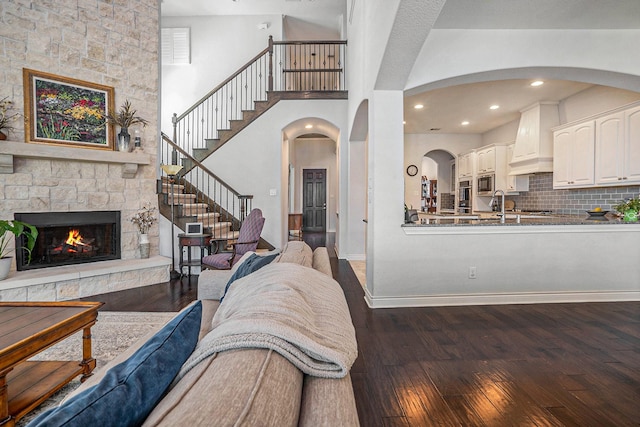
<point x="65" y="111"/>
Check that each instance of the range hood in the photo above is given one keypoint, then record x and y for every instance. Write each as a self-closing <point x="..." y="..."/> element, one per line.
<point x="533" y="151"/>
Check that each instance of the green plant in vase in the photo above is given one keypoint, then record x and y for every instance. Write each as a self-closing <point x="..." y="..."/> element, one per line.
<point x="629" y="209"/>
<point x="125" y="118"/>
<point x="9" y="229"/>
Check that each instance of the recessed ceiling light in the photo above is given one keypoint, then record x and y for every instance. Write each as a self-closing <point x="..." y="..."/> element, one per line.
<point x="465" y="123"/>
<point x="308" y="126"/>
<point x="537" y="83"/>
<point x="418" y="106"/>
<point x="494" y="107"/>
<point x="404" y="122"/>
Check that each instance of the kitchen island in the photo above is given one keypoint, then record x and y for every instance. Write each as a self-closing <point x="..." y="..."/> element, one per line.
<point x="468" y="260"/>
<point x="514" y="219"/>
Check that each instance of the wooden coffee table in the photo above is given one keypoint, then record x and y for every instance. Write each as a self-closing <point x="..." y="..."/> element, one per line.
<point x="27" y="328"/>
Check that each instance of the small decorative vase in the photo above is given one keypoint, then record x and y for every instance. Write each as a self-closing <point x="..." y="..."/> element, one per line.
<point x="123" y="140"/>
<point x="5" y="266"/>
<point x="144" y="245"/>
<point x="2" y="136"/>
<point x="630" y="216"/>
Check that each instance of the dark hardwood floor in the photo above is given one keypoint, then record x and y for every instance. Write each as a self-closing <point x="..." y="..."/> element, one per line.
<point x="503" y="365"/>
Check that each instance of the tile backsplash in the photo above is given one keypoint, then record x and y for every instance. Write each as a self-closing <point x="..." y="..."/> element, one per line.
<point x="542" y="196"/>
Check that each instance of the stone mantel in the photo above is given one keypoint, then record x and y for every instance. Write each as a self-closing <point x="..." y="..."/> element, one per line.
<point x="129" y="161"/>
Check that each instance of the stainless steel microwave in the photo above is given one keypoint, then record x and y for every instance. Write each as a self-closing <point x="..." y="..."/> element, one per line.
<point x="486" y="184"/>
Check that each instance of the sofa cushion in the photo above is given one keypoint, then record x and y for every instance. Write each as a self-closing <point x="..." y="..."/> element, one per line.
<point x="253" y="263"/>
<point x="254" y="387"/>
<point x="297" y="252"/>
<point x="321" y="261"/>
<point x="130" y="390"/>
<point x="212" y="283"/>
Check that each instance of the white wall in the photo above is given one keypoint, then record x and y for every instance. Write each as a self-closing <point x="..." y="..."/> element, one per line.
<point x="555" y="263"/>
<point x="252" y="161"/>
<point x="592" y="101"/>
<point x="220" y="45"/>
<point x="461" y="54"/>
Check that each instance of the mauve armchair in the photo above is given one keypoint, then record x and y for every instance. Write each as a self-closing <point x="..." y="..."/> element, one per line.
<point x="247" y="241"/>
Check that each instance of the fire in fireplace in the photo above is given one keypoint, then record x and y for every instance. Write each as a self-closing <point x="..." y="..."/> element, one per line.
<point x="71" y="238"/>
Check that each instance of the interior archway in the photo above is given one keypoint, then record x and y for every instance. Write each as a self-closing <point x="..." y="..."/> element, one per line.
<point x="309" y="143"/>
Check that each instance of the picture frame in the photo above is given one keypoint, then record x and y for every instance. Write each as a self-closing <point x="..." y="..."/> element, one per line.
<point x="65" y="111"/>
<point x="192" y="228"/>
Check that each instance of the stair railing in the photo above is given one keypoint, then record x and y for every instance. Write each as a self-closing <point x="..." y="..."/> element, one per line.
<point x="292" y="67"/>
<point x="208" y="188"/>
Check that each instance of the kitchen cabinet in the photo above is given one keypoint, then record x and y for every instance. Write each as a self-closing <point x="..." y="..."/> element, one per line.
<point x="465" y="164"/>
<point x="515" y="183"/>
<point x="574" y="156"/>
<point x="486" y="159"/>
<point x="618" y="148"/>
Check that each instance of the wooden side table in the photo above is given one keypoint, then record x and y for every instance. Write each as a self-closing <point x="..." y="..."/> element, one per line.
<point x="203" y="241"/>
<point x="295" y="224"/>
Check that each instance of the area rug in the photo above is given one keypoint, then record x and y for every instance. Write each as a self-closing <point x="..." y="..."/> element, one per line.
<point x="112" y="334"/>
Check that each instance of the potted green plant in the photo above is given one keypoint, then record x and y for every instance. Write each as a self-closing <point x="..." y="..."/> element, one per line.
<point x="6" y="117"/>
<point x="125" y="118"/>
<point x="9" y="229"/>
<point x="629" y="209"/>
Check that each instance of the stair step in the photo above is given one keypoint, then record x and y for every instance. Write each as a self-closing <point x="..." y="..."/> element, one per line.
<point x="200" y="153"/>
<point x="192" y="209"/>
<point x="207" y="217"/>
<point x="181" y="198"/>
<point x="177" y="188"/>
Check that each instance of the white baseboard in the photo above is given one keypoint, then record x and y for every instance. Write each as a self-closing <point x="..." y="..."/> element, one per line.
<point x="494" y="299"/>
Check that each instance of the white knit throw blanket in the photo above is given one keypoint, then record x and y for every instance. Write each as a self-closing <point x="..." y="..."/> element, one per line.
<point x="294" y="310"/>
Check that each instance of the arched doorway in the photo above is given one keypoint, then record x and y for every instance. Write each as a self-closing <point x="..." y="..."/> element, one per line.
<point x="310" y="176"/>
<point x="438" y="193"/>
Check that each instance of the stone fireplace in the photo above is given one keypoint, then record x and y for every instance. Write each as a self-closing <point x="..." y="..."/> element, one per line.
<point x="66" y="238"/>
<point x="66" y="189"/>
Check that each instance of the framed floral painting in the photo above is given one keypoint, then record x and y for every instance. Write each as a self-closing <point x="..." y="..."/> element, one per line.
<point x="66" y="111"/>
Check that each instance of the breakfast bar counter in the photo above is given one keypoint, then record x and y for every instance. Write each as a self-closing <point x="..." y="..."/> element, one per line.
<point x="513" y="222"/>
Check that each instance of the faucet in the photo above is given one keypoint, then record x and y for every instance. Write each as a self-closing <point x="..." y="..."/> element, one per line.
<point x="493" y="199"/>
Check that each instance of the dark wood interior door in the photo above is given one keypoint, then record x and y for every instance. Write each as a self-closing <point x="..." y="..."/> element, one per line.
<point x="314" y="195"/>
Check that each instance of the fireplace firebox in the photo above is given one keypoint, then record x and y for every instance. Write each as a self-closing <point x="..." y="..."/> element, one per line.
<point x="66" y="238"/>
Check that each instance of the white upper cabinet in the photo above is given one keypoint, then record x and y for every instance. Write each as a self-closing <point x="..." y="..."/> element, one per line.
<point x="610" y="149"/>
<point x="618" y="148"/>
<point x="515" y="183"/>
<point x="465" y="165"/>
<point x="486" y="159"/>
<point x="632" y="147"/>
<point x="573" y="156"/>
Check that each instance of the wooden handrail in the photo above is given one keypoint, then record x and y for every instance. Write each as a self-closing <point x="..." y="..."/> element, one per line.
<point x="298" y="42"/>
<point x="168" y="140"/>
<point x="227" y="80"/>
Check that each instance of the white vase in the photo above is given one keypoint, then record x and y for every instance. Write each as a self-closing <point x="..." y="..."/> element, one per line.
<point x="144" y="245"/>
<point x="5" y="266"/>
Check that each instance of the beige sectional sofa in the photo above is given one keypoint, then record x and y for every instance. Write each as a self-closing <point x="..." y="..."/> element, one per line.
<point x="253" y="386"/>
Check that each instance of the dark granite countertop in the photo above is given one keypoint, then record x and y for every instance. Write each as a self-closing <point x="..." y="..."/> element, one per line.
<point x="524" y="221"/>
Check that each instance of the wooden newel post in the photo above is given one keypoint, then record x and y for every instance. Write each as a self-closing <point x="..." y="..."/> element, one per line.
<point x="270" y="81"/>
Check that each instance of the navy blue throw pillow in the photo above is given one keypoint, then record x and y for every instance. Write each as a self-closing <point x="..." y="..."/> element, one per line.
<point x="254" y="263"/>
<point x="130" y="390"/>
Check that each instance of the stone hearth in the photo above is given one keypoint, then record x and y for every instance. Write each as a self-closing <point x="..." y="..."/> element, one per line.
<point x="77" y="281"/>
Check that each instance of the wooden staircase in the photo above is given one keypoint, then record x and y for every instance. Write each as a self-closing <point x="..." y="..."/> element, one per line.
<point x="235" y="127"/>
<point x="187" y="209"/>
